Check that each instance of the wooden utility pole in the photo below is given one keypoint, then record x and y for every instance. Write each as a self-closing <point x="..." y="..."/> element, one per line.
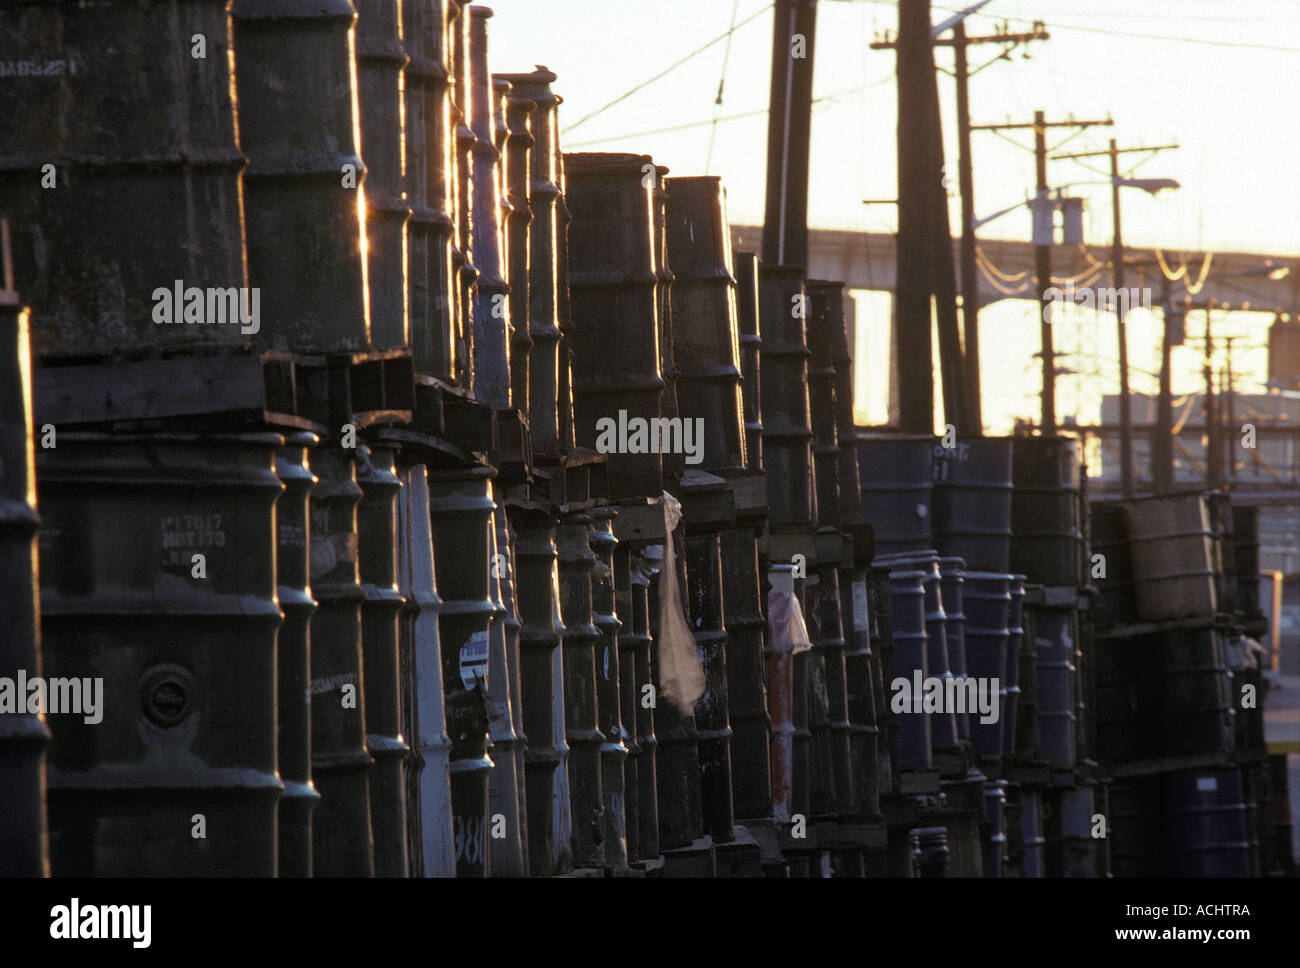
<point x="1162" y="444"/>
<point x="789" y="125"/>
<point x="915" y="250"/>
<point x="1121" y="307"/>
<point x="971" y="408"/>
<point x="1043" y="255"/>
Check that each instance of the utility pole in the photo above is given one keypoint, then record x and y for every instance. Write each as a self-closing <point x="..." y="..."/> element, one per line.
<point x="959" y="42"/>
<point x="789" y="124"/>
<point x="1121" y="308"/>
<point x="1043" y="253"/>
<point x="1162" y="444"/>
<point x="1211" y="418"/>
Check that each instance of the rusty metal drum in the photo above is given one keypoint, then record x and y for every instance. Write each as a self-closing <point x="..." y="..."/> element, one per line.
<point x="158" y="600"/>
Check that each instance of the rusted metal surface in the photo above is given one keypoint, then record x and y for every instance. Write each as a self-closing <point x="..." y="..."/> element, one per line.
<point x="183" y="651"/>
<point x="380" y="60"/>
<point x="704" y="602"/>
<point x="341" y="765"/>
<point x="82" y="160"/>
<point x="609" y="670"/>
<point x="491" y="308"/>
<point x="520" y="111"/>
<point x="577" y="563"/>
<point x="543" y="325"/>
<point x="1171" y="547"/>
<point x="540" y="632"/>
<point x="430" y="839"/>
<point x="506" y="783"/>
<point x="750" y="347"/>
<point x="297" y="94"/>
<point x="293" y="654"/>
<point x="460" y="510"/>
<point x="380" y="615"/>
<point x="24" y="846"/>
<point x="705" y="350"/>
<point x="972" y="501"/>
<point x="612" y="277"/>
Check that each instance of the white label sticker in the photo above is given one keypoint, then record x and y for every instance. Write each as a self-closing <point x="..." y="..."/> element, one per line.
<point x="860" y="615"/>
<point x="1204" y="783"/>
<point x="474" y="660"/>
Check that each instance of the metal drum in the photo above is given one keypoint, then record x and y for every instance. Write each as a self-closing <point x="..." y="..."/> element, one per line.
<point x="1056" y="685"/>
<point x="673" y="463"/>
<point x="1207" y="822"/>
<point x="430" y="840"/>
<point x="972" y="501"/>
<point x="341" y="833"/>
<point x="380" y="615"/>
<point x="751" y="776"/>
<point x="460" y="511"/>
<point x="1125" y="704"/>
<point x="880" y="629"/>
<point x="613" y="751"/>
<point x="647" y="788"/>
<point x="907" y="600"/>
<point x="1190" y="669"/>
<point x="577" y="566"/>
<point x="704" y="611"/>
<point x="380" y="59"/>
<point x="462" y="147"/>
<point x="127" y="129"/>
<point x="519" y="217"/>
<point x="293" y="654"/>
<point x="158" y="605"/>
<point x="704" y="331"/>
<point x="787" y="436"/>
<point x="1111" y="571"/>
<point x="539" y="638"/>
<point x="780" y="697"/>
<point x="943" y="725"/>
<point x="1071" y="848"/>
<point x="542" y="389"/>
<point x="24" y="850"/>
<point x="1245" y="552"/>
<point x="1136" y="828"/>
<point x="297" y="98"/>
<point x="932" y="843"/>
<point x="987" y="603"/>
<point x="864" y="701"/>
<point x="897" y="485"/>
<point x="1171" y="544"/>
<point x="1045" y="525"/>
<point x="612" y="277"/>
<point x="826" y="606"/>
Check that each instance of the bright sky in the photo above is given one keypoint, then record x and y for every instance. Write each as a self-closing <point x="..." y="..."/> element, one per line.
<point x="1222" y="79"/>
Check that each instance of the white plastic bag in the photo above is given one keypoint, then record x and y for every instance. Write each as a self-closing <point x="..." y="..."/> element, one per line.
<point x="681" y="673"/>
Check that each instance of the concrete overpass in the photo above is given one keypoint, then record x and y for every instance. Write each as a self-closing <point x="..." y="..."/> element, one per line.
<point x="865" y="260"/>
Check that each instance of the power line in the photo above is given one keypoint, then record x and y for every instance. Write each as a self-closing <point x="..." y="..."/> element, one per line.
<point x="722" y="80"/>
<point x="668" y="70"/>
